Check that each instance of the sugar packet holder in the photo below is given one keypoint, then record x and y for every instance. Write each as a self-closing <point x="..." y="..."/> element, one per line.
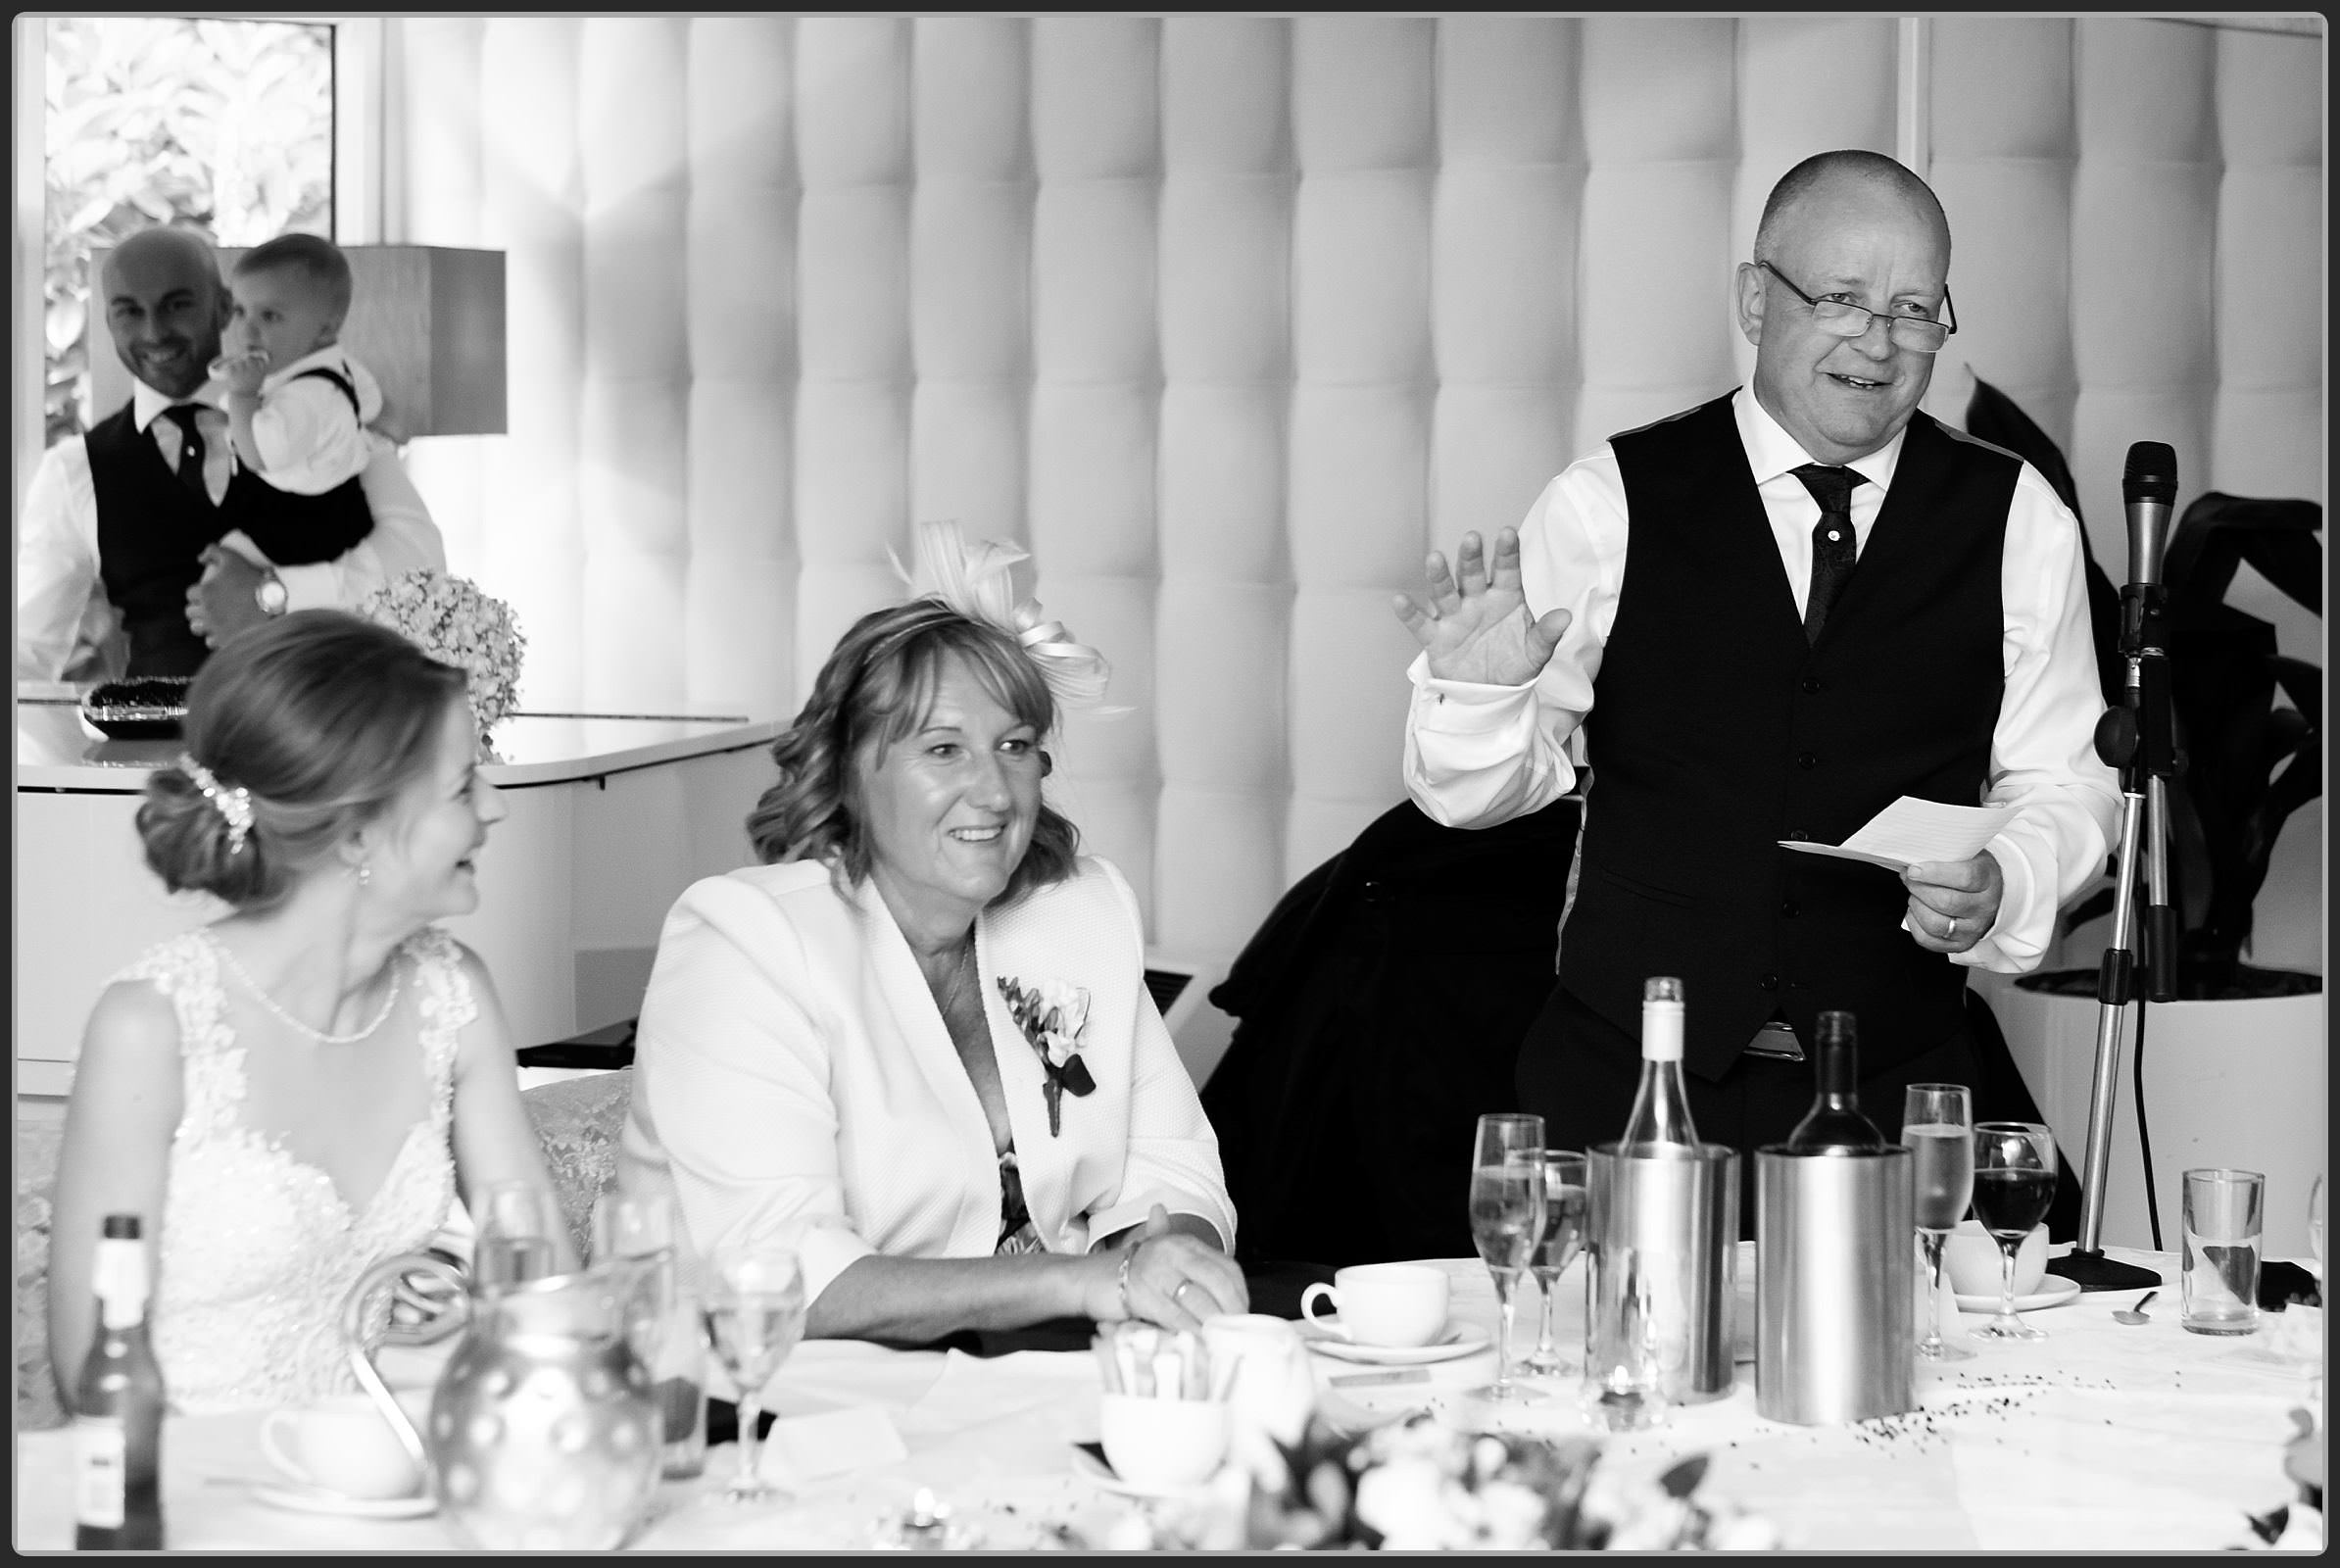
<point x="1156" y="1364"/>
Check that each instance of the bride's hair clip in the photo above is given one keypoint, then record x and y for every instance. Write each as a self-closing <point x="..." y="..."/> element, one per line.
<point x="972" y="577"/>
<point x="235" y="804"/>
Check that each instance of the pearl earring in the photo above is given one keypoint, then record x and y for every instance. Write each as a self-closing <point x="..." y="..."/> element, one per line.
<point x="365" y="872"/>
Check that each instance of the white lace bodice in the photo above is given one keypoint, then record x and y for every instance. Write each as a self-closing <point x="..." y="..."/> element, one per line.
<point x="259" y="1247"/>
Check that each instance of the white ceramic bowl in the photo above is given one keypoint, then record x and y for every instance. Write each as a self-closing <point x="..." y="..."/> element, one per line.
<point x="1161" y="1443"/>
<point x="1972" y="1261"/>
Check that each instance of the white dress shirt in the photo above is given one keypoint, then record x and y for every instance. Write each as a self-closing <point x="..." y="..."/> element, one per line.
<point x="794" y="1081"/>
<point x="310" y="439"/>
<point x="1477" y="755"/>
<point x="63" y="619"/>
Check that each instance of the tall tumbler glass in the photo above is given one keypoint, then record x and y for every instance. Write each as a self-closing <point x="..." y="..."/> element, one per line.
<point x="1937" y="1123"/>
<point x="2223" y="1217"/>
<point x="640" y="1232"/>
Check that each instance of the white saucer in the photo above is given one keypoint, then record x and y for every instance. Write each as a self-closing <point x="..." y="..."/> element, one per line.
<point x="315" y="1500"/>
<point x="1090" y="1467"/>
<point x="1459" y="1340"/>
<point x="2054" y="1290"/>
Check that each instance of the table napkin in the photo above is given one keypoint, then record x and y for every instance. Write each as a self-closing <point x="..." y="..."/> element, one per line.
<point x="800" y="1448"/>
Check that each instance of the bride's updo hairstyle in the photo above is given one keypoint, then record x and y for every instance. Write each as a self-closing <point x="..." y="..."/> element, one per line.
<point x="877" y="687"/>
<point x="309" y="727"/>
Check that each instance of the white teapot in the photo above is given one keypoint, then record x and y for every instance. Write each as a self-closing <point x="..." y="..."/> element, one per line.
<point x="1262" y="1364"/>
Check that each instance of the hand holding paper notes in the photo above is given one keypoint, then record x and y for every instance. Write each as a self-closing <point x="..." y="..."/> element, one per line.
<point x="1911" y="831"/>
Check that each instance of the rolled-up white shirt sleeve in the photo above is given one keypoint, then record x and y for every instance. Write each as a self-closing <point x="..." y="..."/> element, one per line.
<point x="1173" y="1156"/>
<point x="1477" y="755"/>
<point x="404" y="539"/>
<point x="2066" y="799"/>
<point x="57" y="563"/>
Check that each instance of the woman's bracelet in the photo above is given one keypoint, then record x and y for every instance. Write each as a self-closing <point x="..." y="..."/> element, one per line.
<point x="1129" y="1255"/>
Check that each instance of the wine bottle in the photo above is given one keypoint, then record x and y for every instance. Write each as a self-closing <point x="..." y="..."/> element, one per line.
<point x="118" y="1421"/>
<point x="1661" y="1115"/>
<point x="1834" y="1122"/>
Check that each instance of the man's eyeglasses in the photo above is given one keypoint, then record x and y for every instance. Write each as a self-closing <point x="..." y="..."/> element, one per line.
<point x="1920" y="334"/>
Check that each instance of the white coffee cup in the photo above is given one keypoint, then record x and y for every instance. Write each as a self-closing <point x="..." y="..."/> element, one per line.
<point x="1394" y="1306"/>
<point x="1161" y="1443"/>
<point x="344" y="1445"/>
<point x="1971" y="1258"/>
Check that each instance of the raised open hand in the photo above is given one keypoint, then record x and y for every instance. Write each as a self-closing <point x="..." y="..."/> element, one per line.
<point x="1475" y="626"/>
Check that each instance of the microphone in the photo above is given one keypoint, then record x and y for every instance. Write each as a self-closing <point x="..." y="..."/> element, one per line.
<point x="2148" y="489"/>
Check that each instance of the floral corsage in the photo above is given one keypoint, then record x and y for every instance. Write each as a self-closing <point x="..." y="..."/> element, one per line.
<point x="1052" y="1015"/>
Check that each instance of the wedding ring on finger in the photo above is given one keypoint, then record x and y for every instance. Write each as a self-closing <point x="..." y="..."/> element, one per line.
<point x="1951" y="935"/>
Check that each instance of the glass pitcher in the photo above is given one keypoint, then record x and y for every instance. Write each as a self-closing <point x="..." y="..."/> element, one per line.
<point x="543" y="1432"/>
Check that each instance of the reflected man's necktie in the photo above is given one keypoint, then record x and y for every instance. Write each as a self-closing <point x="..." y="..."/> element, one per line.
<point x="1833" y="551"/>
<point x="190" y="457"/>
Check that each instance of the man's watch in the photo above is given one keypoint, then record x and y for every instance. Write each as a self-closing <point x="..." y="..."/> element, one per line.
<point x="270" y="595"/>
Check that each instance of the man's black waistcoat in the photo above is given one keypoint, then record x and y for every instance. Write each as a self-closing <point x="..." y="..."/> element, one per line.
<point x="1717" y="731"/>
<point x="151" y="528"/>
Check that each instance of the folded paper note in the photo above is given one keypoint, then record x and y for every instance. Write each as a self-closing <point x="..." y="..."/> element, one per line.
<point x="1911" y="831"/>
<point x="807" y="1447"/>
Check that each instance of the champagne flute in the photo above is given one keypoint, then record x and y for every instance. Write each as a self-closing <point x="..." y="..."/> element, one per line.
<point x="1565" y="1200"/>
<point x="1506" y="1219"/>
<point x="754" y="1307"/>
<point x="1937" y="1127"/>
<point x="2015" y="1181"/>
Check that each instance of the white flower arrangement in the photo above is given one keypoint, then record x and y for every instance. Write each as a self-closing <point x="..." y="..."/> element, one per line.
<point x="452" y="620"/>
<point x="1419" y="1485"/>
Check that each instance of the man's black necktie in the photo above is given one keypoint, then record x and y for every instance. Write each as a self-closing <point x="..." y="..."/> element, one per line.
<point x="190" y="457"/>
<point x="1832" y="552"/>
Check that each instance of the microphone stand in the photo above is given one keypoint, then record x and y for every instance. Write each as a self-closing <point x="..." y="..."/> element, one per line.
<point x="2137" y="738"/>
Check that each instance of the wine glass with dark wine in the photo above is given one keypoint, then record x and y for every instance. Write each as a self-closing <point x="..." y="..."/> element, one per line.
<point x="1506" y="1222"/>
<point x="1566" y="1197"/>
<point x="2015" y="1181"/>
<point x="754" y="1307"/>
<point x="1937" y="1128"/>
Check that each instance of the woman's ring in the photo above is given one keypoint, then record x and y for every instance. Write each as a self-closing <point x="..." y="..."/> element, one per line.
<point x="1951" y="935"/>
<point x="1182" y="1289"/>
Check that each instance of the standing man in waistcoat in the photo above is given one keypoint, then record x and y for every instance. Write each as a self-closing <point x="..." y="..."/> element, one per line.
<point x="143" y="542"/>
<point x="1829" y="601"/>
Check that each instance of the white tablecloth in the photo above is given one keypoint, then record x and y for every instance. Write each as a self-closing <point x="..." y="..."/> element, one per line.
<point x="2101" y="1438"/>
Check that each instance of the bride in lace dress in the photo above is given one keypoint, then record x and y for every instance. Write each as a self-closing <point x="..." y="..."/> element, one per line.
<point x="298" y="1089"/>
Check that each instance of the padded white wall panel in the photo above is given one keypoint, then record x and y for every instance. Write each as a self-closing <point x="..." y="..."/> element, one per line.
<point x="1361" y="92"/>
<point x="2006" y="142"/>
<point x="853" y="93"/>
<point x="2269" y="430"/>
<point x="1660" y="90"/>
<point x="1096" y="108"/>
<point x="1227" y="319"/>
<point x="2144" y="224"/>
<point x="437" y="99"/>
<point x="1506" y="91"/>
<point x="532" y="190"/>
<point x="741" y="325"/>
<point x="1222" y="483"/>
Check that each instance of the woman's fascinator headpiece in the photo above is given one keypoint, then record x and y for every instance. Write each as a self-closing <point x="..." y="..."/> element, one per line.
<point x="974" y="577"/>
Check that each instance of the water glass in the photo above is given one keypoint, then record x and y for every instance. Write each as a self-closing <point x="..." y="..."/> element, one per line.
<point x="516" y="1224"/>
<point x="2223" y="1216"/>
<point x="1506" y="1221"/>
<point x="1937" y="1128"/>
<point x="640" y="1232"/>
<point x="1566" y="1197"/>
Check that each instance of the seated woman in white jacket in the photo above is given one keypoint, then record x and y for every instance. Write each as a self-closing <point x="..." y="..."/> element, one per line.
<point x="916" y="1045"/>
